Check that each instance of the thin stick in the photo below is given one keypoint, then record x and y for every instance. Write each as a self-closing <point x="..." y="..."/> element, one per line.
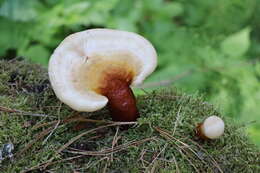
<point x="213" y="160"/>
<point x="56" y="126"/>
<point x="172" y="137"/>
<point x="114" y="142"/>
<point x="94" y="163"/>
<point x="177" y="167"/>
<point x="49" y="162"/>
<point x="110" y="150"/>
<point x="70" y="120"/>
<point x="93" y="130"/>
<point x="105" y="168"/>
<point x="5" y="109"/>
<point x="38" y="137"/>
<point x="177" y="120"/>
<point x="185" y="157"/>
<point x="156" y="157"/>
<point x="167" y="135"/>
<point x="142" y="157"/>
<point x="45" y="132"/>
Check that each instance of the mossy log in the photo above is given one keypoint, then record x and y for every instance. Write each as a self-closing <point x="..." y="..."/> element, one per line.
<point x="45" y="132"/>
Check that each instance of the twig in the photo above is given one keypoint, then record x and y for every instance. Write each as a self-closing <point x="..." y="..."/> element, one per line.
<point x="38" y="137"/>
<point x="45" y="132"/>
<point x="185" y="157"/>
<point x="156" y="157"/>
<point x="70" y="120"/>
<point x="142" y="157"/>
<point x="167" y="135"/>
<point x="177" y="167"/>
<point x="94" y="163"/>
<point x="56" y="126"/>
<point x="213" y="160"/>
<point x="114" y="142"/>
<point x="105" y="168"/>
<point x="173" y="160"/>
<point x="177" y="120"/>
<point x="49" y="162"/>
<point x="154" y="166"/>
<point x="5" y="109"/>
<point x="110" y="150"/>
<point x="36" y="126"/>
<point x="93" y="130"/>
<point x="162" y="131"/>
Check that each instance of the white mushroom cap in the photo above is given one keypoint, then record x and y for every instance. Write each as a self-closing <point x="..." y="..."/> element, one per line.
<point x="78" y="66"/>
<point x="213" y="127"/>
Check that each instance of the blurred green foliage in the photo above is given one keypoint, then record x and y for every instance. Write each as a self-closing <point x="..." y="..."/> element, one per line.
<point x="216" y="44"/>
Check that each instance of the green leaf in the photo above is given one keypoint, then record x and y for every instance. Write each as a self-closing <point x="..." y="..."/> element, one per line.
<point x="236" y="44"/>
<point x="254" y="134"/>
<point x="172" y="9"/>
<point x="257" y="68"/>
<point x="13" y="35"/>
<point x="19" y="10"/>
<point x="37" y="54"/>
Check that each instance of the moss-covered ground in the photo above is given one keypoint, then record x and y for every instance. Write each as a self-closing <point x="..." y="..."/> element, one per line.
<point x="49" y="136"/>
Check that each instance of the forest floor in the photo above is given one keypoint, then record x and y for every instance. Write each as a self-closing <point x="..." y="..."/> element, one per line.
<point x="48" y="135"/>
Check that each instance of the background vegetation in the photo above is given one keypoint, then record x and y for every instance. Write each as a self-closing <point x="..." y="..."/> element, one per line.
<point x="210" y="47"/>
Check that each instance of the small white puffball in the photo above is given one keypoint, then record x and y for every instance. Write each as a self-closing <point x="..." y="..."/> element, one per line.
<point x="213" y="127"/>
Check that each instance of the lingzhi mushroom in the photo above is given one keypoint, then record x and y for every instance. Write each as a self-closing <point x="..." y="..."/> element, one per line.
<point x="96" y="67"/>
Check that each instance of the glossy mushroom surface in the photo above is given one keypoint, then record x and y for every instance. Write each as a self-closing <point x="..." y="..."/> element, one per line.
<point x="96" y="67"/>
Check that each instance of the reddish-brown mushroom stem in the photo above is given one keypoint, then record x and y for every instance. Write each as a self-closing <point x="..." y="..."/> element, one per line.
<point x="121" y="100"/>
<point x="200" y="133"/>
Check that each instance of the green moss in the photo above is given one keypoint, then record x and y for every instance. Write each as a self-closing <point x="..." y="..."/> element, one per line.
<point x="168" y="119"/>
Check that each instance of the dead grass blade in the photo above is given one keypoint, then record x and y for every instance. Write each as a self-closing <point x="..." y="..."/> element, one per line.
<point x="177" y="120"/>
<point x="49" y="162"/>
<point x="70" y="120"/>
<point x="115" y="139"/>
<point x="156" y="157"/>
<point x="18" y="112"/>
<point x="91" y="131"/>
<point x="112" y="150"/>
<point x="183" y="148"/>
<point x="190" y="162"/>
<point x="55" y="127"/>
<point x="214" y="162"/>
<point x="37" y="138"/>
